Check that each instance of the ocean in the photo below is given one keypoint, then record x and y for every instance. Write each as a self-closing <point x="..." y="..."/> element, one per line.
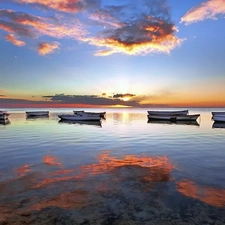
<point x="124" y="170"/>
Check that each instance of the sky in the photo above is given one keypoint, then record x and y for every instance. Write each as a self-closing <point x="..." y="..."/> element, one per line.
<point x="112" y="53"/>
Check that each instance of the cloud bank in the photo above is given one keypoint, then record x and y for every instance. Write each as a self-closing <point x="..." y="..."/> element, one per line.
<point x="63" y="100"/>
<point x="89" y="99"/>
<point x="206" y="10"/>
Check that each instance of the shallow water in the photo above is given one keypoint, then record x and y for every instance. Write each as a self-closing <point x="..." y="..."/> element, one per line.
<point x="125" y="170"/>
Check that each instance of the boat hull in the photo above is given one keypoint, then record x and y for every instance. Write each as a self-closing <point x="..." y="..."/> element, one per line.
<point x="168" y="113"/>
<point x="218" y="114"/>
<point x="79" y="118"/>
<point x="174" y="118"/>
<point x="219" y="118"/>
<point x="38" y="113"/>
<point x="101" y="114"/>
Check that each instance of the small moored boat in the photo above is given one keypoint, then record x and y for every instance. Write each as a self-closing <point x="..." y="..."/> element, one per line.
<point x="37" y="113"/>
<point x="78" y="117"/>
<point x="168" y="113"/>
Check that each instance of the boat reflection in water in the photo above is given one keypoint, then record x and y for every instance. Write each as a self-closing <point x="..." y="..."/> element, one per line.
<point x="193" y="123"/>
<point x="91" y="123"/>
<point x="218" y="125"/>
<point x="5" y="122"/>
<point x="37" y="117"/>
<point x="211" y="196"/>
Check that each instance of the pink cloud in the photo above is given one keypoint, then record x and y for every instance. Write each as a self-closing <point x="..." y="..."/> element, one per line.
<point x="206" y="10"/>
<point x="69" y="6"/>
<point x="15" y="41"/>
<point x="24" y="24"/>
<point x="48" y="48"/>
<point x="105" y="19"/>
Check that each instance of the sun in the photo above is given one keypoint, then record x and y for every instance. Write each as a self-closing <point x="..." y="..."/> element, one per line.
<point x="126" y="99"/>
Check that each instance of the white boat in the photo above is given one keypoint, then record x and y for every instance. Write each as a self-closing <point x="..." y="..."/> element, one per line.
<point x="174" y="117"/>
<point x="37" y="113"/>
<point x="78" y="117"/>
<point x="220" y="118"/>
<point x="101" y="114"/>
<point x="168" y="113"/>
<point x="4" y="115"/>
<point x="218" y="113"/>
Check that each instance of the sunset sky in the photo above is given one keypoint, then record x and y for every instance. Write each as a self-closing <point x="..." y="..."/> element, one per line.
<point x="99" y="53"/>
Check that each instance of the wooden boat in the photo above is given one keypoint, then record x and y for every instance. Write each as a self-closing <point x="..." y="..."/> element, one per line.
<point x="37" y="113"/>
<point x="168" y="113"/>
<point x="78" y="117"/>
<point x="174" y="118"/>
<point x="89" y="123"/>
<point x="218" y="125"/>
<point x="101" y="114"/>
<point x="218" y="113"/>
<point x="4" y="115"/>
<point x="220" y="118"/>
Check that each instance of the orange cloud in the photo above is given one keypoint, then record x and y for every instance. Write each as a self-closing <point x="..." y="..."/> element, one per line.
<point x="70" y="6"/>
<point x="163" y="44"/>
<point x="47" y="48"/>
<point x="140" y="36"/>
<point x="206" y="10"/>
<point x="12" y="39"/>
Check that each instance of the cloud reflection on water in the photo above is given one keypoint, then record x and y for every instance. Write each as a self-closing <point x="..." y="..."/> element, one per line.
<point x="211" y="196"/>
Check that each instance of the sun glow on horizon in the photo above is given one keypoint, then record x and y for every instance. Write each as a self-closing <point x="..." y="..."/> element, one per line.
<point x="126" y="99"/>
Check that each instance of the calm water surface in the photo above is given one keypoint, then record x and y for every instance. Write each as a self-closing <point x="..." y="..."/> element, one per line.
<point x="124" y="170"/>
